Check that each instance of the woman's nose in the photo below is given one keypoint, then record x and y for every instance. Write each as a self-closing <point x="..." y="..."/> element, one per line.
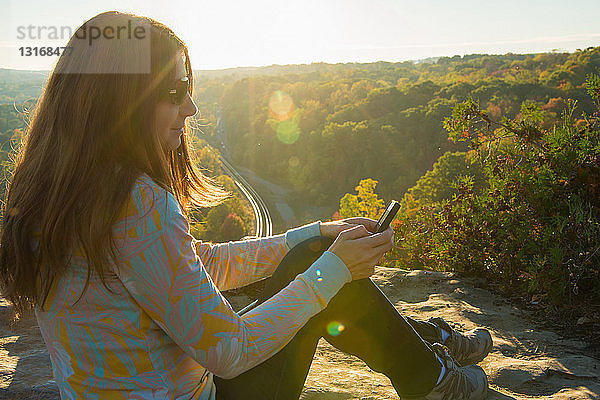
<point x="188" y="107"/>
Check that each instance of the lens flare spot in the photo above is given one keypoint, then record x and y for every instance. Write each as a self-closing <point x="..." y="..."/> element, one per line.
<point x="319" y="277"/>
<point x="334" y="328"/>
<point x="288" y="131"/>
<point x="281" y="105"/>
<point x="294" y="161"/>
<point x="315" y="246"/>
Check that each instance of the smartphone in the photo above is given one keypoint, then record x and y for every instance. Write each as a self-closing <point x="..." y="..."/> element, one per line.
<point x="387" y="217"/>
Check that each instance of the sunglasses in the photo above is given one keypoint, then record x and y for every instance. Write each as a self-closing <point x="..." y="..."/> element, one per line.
<point x="178" y="93"/>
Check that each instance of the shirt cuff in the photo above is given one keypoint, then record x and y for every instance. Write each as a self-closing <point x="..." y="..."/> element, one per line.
<point x="300" y="234"/>
<point x="327" y="276"/>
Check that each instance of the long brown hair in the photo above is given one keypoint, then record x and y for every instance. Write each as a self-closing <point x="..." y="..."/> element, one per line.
<point x="90" y="137"/>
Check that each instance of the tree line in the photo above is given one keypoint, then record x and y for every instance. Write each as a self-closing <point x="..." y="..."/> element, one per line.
<point x="322" y="128"/>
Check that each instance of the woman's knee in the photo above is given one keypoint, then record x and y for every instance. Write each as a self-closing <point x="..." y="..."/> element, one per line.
<point x="296" y="261"/>
<point x="314" y="246"/>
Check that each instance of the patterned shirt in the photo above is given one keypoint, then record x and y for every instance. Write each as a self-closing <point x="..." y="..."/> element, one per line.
<point x="164" y="328"/>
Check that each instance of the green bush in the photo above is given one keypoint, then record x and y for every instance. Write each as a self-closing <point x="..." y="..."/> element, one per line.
<point x="534" y="225"/>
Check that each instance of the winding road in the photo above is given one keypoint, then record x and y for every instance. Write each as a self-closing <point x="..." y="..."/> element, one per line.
<point x="264" y="224"/>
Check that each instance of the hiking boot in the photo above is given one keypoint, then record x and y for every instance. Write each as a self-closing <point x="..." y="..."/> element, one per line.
<point x="467" y="348"/>
<point x="459" y="383"/>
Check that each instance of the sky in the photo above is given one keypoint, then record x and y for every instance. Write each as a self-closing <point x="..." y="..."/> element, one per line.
<point x="227" y="33"/>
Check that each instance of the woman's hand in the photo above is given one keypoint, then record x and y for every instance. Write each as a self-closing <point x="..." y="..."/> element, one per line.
<point x="333" y="228"/>
<point x="360" y="250"/>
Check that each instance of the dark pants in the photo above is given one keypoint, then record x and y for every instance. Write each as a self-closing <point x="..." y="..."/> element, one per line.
<point x="374" y="331"/>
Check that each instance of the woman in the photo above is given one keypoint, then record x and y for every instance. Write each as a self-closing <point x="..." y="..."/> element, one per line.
<point x="129" y="303"/>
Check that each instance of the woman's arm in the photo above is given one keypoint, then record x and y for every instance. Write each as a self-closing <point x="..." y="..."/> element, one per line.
<point x="240" y="263"/>
<point x="167" y="279"/>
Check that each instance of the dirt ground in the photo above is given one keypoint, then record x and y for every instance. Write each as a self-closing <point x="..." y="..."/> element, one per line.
<point x="526" y="362"/>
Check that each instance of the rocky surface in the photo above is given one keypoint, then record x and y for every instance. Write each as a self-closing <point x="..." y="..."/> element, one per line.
<point x="525" y="363"/>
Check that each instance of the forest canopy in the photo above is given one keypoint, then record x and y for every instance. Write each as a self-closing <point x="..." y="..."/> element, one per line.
<point x="495" y="158"/>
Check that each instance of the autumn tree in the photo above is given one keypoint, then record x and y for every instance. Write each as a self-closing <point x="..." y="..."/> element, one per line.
<point x="232" y="228"/>
<point x="364" y="204"/>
